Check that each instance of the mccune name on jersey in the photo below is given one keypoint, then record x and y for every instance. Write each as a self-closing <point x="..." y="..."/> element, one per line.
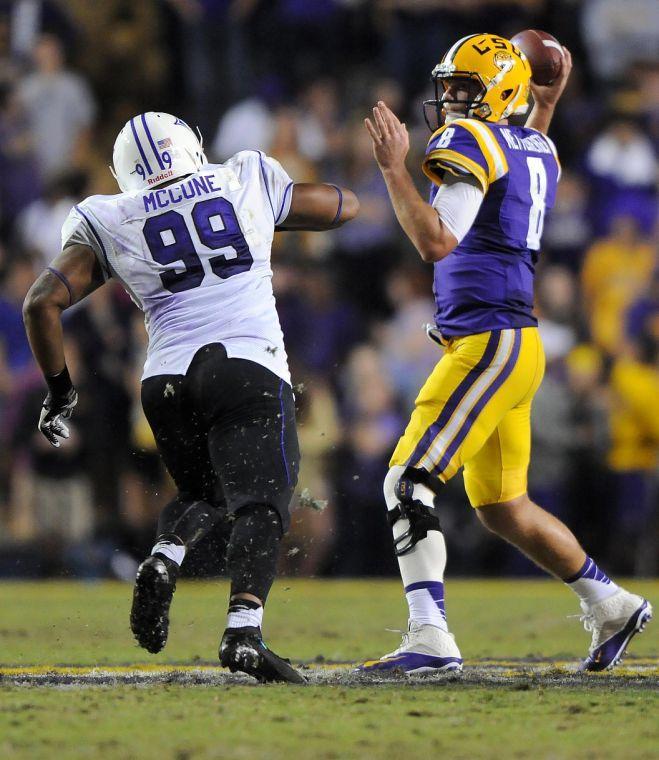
<point x="201" y="184"/>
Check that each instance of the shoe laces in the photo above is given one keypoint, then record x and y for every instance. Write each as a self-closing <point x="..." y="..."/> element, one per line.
<point x="590" y="625"/>
<point x="405" y="641"/>
<point x="588" y="620"/>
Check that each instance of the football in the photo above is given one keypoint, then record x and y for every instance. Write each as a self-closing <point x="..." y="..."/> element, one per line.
<point x="544" y="52"/>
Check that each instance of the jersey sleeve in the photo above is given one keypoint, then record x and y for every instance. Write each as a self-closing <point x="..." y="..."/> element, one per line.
<point x="79" y="228"/>
<point x="278" y="185"/>
<point x="465" y="146"/>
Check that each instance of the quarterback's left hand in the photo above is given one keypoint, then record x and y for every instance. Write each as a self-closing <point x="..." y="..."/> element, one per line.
<point x="53" y="413"/>
<point x="390" y="139"/>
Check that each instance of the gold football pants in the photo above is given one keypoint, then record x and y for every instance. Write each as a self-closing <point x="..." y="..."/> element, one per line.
<point x="475" y="411"/>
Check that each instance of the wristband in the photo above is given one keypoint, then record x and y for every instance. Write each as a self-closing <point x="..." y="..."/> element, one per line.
<point x="340" y="208"/>
<point x="60" y="385"/>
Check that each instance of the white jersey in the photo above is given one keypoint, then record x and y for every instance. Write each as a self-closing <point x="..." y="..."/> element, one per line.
<point x="195" y="257"/>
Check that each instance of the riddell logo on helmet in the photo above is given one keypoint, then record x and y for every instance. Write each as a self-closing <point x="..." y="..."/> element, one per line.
<point x="160" y="177"/>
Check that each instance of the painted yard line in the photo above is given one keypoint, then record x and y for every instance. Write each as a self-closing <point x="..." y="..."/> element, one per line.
<point x="518" y="666"/>
<point x="151" y="666"/>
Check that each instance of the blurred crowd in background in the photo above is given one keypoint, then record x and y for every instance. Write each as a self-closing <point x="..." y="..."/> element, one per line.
<point x="296" y="78"/>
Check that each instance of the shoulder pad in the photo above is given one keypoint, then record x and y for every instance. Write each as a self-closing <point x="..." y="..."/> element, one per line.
<point x="465" y="146"/>
<point x="244" y="156"/>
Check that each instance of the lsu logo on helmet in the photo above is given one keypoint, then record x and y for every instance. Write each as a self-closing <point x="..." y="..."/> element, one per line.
<point x="496" y="71"/>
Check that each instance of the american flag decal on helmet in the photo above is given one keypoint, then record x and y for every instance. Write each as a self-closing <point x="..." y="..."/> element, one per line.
<point x="165" y="143"/>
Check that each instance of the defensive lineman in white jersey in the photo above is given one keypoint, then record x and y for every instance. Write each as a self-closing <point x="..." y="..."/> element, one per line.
<point x="191" y="242"/>
<point x="177" y="251"/>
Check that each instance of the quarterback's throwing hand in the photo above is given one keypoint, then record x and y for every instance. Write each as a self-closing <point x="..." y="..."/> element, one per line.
<point x="390" y="139"/>
<point x="53" y="413"/>
<point x="548" y="95"/>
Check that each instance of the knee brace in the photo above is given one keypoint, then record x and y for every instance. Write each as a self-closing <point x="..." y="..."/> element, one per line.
<point x="421" y="515"/>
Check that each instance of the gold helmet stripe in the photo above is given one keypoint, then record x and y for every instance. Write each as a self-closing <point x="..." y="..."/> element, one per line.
<point x="487" y="142"/>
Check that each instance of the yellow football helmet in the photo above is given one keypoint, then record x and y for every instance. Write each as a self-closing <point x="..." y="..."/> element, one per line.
<point x="498" y="75"/>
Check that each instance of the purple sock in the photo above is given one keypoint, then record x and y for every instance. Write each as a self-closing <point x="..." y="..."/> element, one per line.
<point x="591" y="584"/>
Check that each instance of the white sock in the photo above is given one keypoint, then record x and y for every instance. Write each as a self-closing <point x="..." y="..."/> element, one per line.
<point x="241" y="615"/>
<point x="175" y="552"/>
<point x="426" y="603"/>
<point x="422" y="569"/>
<point x="590" y="584"/>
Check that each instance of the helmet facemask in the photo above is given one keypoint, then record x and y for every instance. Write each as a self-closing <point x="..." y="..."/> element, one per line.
<point x="457" y="95"/>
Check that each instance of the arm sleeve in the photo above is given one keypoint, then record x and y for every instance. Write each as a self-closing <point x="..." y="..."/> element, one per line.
<point x="278" y="185"/>
<point x="77" y="228"/>
<point x="465" y="147"/>
<point x="457" y="202"/>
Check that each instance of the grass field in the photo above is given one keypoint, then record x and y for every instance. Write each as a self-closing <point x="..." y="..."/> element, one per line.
<point x="74" y="684"/>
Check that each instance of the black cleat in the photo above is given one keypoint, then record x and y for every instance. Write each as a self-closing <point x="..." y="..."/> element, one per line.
<point x="155" y="584"/>
<point x="242" y="649"/>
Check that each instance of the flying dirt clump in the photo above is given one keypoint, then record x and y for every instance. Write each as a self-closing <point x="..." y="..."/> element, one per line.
<point x="306" y="500"/>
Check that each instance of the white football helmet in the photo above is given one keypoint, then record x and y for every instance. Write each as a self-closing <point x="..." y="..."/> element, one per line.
<point x="153" y="148"/>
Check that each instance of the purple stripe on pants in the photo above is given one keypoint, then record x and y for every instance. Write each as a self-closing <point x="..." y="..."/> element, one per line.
<point x="455" y="398"/>
<point x="479" y="406"/>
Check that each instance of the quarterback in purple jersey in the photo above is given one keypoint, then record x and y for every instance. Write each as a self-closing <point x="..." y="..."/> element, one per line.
<point x="492" y="183"/>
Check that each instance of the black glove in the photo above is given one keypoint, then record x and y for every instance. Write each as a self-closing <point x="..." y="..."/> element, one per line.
<point x="57" y="407"/>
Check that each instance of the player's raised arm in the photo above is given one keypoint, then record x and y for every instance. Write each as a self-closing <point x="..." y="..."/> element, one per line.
<point x="420" y="221"/>
<point x="72" y="275"/>
<point x="545" y="97"/>
<point x="317" y="207"/>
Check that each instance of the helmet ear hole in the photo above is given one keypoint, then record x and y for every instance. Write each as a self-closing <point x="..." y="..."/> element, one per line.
<point x="506" y="94"/>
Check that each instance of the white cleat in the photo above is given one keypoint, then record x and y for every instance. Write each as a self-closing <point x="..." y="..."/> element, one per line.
<point x="613" y="623"/>
<point x="424" y="649"/>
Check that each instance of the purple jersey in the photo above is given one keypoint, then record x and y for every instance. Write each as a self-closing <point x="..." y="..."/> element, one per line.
<point x="486" y="282"/>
